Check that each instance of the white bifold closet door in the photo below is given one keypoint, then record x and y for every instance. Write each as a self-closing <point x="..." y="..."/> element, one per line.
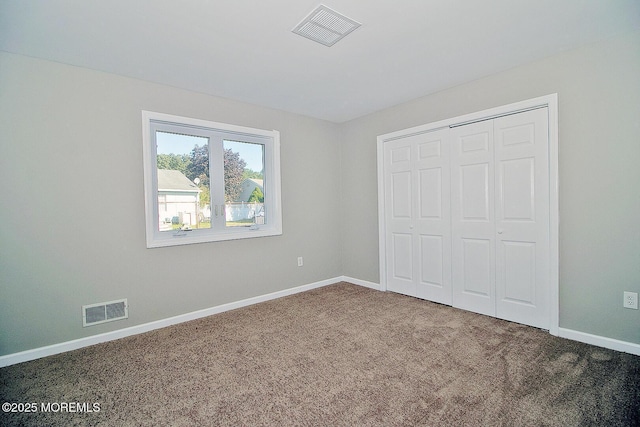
<point x="418" y="225"/>
<point x="467" y="216"/>
<point x="500" y="217"/>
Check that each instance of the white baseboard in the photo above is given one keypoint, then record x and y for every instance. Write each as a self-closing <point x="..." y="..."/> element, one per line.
<point x="37" y="353"/>
<point x="359" y="282"/>
<point x="610" y="343"/>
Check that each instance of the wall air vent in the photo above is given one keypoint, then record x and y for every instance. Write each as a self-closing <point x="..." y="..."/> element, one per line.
<point x="103" y="312"/>
<point x="325" y="26"/>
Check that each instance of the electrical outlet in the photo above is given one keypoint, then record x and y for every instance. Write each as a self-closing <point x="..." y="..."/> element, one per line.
<point x="630" y="300"/>
<point x="300" y="261"/>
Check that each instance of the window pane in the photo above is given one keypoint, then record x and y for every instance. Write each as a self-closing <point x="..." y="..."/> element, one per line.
<point x="183" y="181"/>
<point x="243" y="183"/>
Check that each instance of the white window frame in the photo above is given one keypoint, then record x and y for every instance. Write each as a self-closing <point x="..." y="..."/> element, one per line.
<point x="273" y="204"/>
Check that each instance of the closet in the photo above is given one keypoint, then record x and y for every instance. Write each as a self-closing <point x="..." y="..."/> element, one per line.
<point x="466" y="208"/>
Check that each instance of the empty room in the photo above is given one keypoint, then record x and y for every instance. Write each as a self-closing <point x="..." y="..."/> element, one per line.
<point x="339" y="213"/>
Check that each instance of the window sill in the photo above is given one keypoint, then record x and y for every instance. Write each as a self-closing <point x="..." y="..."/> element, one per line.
<point x="193" y="237"/>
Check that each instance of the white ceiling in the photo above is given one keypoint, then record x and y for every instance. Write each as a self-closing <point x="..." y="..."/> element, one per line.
<point x="245" y="50"/>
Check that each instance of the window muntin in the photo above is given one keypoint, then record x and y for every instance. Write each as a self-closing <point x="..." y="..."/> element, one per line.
<point x="207" y="181"/>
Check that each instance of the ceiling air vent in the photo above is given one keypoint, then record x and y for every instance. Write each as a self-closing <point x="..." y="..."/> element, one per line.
<point x="325" y="26"/>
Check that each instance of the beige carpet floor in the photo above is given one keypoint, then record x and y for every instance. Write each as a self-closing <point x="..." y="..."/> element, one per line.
<point x="341" y="355"/>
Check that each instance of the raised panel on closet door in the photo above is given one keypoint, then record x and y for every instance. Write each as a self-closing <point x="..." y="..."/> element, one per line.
<point x="522" y="217"/>
<point x="472" y="217"/>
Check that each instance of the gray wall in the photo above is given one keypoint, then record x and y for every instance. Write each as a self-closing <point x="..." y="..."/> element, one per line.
<point x="71" y="185"/>
<point x="599" y="167"/>
<point x="72" y="217"/>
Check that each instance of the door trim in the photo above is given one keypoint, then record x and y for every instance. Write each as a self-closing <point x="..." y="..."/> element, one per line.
<point x="548" y="101"/>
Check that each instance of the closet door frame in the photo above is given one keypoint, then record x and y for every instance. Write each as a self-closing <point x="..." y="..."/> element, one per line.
<point x="548" y="101"/>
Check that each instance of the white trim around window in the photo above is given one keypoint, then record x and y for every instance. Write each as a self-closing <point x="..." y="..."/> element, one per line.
<point x="208" y="220"/>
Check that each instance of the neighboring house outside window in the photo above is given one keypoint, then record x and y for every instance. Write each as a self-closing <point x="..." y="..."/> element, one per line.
<point x="178" y="199"/>
<point x="248" y="187"/>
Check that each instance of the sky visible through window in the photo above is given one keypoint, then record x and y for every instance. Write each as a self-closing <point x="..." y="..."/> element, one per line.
<point x="170" y="143"/>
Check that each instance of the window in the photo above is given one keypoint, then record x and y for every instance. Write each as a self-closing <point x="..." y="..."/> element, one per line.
<point x="207" y="181"/>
